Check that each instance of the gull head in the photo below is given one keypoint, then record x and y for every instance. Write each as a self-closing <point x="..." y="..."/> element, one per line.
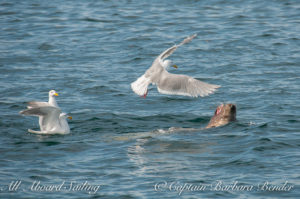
<point x="65" y="116"/>
<point x="167" y="63"/>
<point x="53" y="93"/>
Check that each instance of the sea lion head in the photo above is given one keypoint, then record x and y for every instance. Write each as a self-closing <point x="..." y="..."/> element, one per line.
<point x="224" y="114"/>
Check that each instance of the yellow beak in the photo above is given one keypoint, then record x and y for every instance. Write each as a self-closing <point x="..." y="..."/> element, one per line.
<point x="56" y="94"/>
<point x="70" y="117"/>
<point x="174" y="66"/>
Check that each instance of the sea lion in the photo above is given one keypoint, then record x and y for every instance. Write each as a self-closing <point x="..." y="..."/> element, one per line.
<point x="224" y="114"/>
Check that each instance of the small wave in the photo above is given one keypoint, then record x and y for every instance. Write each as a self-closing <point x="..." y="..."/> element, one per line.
<point x="98" y="89"/>
<point x="7" y="13"/>
<point x="45" y="46"/>
<point x="89" y="19"/>
<point x="270" y="145"/>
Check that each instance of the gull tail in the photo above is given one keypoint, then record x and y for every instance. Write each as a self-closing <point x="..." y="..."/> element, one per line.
<point x="33" y="131"/>
<point x="140" y="86"/>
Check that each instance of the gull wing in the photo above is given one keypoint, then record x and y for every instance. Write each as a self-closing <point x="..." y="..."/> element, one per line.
<point x="41" y="111"/>
<point x="184" y="85"/>
<point x="49" y="115"/>
<point x="170" y="50"/>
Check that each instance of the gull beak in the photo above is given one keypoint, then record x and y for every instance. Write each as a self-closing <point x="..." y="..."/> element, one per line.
<point x="70" y="117"/>
<point x="56" y="94"/>
<point x="174" y="66"/>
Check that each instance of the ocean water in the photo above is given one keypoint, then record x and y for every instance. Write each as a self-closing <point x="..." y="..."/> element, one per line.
<point x="120" y="145"/>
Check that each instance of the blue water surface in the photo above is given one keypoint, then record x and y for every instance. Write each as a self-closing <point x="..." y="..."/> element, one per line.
<point x="119" y="146"/>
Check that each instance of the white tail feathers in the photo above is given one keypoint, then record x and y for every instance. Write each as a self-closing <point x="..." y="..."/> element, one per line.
<point x="140" y="86"/>
<point x="32" y="131"/>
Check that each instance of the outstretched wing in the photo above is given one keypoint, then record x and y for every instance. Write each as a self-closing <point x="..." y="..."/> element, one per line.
<point x="170" y="50"/>
<point x="49" y="115"/>
<point x="174" y="84"/>
<point x="41" y="111"/>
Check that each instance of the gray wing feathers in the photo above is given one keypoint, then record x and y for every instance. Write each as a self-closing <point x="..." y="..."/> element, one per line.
<point x="48" y="116"/>
<point x="188" y="39"/>
<point x="184" y="85"/>
<point x="169" y="51"/>
<point x="41" y="111"/>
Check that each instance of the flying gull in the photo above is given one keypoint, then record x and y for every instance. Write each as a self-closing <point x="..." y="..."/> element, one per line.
<point x="168" y="83"/>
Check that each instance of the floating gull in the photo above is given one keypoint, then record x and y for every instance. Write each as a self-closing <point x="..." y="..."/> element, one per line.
<point x="51" y="118"/>
<point x="168" y="83"/>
